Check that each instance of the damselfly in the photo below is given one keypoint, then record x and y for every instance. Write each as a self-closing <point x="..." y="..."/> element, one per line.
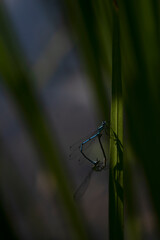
<point x="98" y="164"/>
<point x="98" y="157"/>
<point x="92" y="149"/>
<point x="95" y="144"/>
<point x="98" y="161"/>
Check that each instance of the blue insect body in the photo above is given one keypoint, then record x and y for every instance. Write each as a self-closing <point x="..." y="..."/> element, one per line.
<point x="98" y="165"/>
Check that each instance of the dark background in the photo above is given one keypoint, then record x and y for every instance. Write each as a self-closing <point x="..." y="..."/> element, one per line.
<point x="28" y="196"/>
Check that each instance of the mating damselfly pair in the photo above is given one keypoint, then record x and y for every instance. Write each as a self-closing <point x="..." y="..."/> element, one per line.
<point x="93" y="149"/>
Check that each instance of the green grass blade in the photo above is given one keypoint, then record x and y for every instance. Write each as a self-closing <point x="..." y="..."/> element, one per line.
<point x="116" y="218"/>
<point x="142" y="88"/>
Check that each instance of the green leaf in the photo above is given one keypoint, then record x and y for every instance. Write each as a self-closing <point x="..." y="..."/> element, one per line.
<point x="141" y="83"/>
<point x="116" y="215"/>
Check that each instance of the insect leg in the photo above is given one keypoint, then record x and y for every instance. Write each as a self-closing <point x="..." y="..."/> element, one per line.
<point x="81" y="149"/>
<point x="99" y="138"/>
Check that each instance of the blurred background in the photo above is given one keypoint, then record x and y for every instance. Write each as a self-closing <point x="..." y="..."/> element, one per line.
<point x="28" y="196"/>
<point x="58" y="65"/>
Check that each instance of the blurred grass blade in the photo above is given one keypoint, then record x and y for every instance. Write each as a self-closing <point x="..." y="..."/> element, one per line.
<point x="94" y="38"/>
<point x="142" y="86"/>
<point x="7" y="232"/>
<point x="116" y="218"/>
<point x="18" y="80"/>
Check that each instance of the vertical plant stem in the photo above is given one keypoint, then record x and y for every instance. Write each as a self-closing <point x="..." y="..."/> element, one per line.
<point x="116" y="214"/>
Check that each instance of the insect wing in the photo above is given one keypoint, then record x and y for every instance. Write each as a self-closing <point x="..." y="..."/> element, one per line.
<point x="80" y="191"/>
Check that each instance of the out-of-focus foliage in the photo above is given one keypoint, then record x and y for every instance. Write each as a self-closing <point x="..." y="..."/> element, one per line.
<point x="16" y="77"/>
<point x="141" y="58"/>
<point x="93" y="30"/>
